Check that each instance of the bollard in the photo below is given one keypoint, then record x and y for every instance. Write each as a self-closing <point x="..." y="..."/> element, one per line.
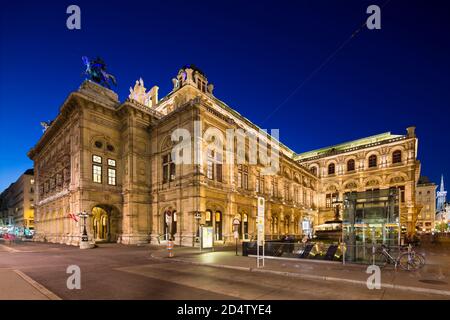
<point x="170" y="248"/>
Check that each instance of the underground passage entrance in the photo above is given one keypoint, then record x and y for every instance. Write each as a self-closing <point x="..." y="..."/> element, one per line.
<point x="370" y="218"/>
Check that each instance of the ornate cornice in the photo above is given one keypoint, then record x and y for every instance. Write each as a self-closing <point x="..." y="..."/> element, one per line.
<point x="68" y="106"/>
<point x="138" y="106"/>
<point x="365" y="146"/>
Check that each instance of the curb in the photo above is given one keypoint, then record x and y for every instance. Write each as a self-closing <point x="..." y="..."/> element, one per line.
<point x="308" y="276"/>
<point x="50" y="295"/>
<point x="303" y="260"/>
<point x="9" y="249"/>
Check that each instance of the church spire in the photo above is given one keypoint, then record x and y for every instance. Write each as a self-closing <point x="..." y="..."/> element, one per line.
<point x="441" y="196"/>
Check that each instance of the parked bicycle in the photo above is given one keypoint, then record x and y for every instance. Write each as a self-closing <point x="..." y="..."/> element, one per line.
<point x="407" y="260"/>
<point x="408" y="249"/>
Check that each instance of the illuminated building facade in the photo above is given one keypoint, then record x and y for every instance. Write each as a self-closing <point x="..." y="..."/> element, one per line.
<point x="441" y="196"/>
<point x="114" y="161"/>
<point x="17" y="202"/>
<point x="425" y="199"/>
<point x="373" y="164"/>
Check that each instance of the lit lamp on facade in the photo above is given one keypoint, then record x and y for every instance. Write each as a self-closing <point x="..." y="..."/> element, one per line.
<point x="198" y="217"/>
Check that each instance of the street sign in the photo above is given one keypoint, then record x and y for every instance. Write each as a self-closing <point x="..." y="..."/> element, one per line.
<point x="305" y="225"/>
<point x="260" y="221"/>
<point x="236" y="222"/>
<point x="261" y="205"/>
<point x="236" y="235"/>
<point x="261" y="234"/>
<point x="197" y="215"/>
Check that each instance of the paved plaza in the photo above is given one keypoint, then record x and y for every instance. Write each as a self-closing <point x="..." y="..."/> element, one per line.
<point x="30" y="270"/>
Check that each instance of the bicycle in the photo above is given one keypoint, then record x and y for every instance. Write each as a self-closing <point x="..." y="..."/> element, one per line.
<point x="408" y="249"/>
<point x="409" y="261"/>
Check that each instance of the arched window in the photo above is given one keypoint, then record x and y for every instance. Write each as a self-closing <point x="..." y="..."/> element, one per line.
<point x="331" y="168"/>
<point x="170" y="223"/>
<point x="218" y="225"/>
<point x="208" y="218"/>
<point x="215" y="221"/>
<point x="245" y="222"/>
<point x="214" y="166"/>
<point x="351" y="165"/>
<point x="296" y="221"/>
<point x="397" y="156"/>
<point x="243" y="176"/>
<point x="313" y="170"/>
<point x="287" y="225"/>
<point x="168" y="168"/>
<point x="243" y="227"/>
<point x="275" y="225"/>
<point x="174" y="222"/>
<point x="372" y="161"/>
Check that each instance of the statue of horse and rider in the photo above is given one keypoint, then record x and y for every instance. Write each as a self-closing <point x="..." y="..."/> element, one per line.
<point x="96" y="71"/>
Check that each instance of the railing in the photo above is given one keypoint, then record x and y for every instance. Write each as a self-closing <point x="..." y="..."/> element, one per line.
<point x="366" y="253"/>
<point x="163" y="237"/>
<point x="297" y="250"/>
<point x="249" y="236"/>
<point x="340" y="252"/>
<point x="160" y="236"/>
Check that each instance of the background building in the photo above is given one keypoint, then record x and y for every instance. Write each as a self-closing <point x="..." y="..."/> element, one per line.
<point x="442" y="222"/>
<point x="443" y="208"/>
<point x="425" y="199"/>
<point x="441" y="196"/>
<point x="6" y="213"/>
<point x="17" y="202"/>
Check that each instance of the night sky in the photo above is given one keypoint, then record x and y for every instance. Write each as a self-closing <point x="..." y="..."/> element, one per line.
<point x="292" y="57"/>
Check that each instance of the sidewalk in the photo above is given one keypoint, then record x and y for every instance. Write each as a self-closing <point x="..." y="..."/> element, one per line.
<point x="434" y="278"/>
<point x="15" y="285"/>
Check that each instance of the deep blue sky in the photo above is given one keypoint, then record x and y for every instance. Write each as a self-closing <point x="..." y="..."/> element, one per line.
<point x="255" y="52"/>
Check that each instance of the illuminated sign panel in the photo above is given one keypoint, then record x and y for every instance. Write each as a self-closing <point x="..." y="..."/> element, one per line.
<point x="260" y="221"/>
<point x="207" y="237"/>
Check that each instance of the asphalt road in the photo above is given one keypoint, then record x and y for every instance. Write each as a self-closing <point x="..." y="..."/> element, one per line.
<point x="114" y="271"/>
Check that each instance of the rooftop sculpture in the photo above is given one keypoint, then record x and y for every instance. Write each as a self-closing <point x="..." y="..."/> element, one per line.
<point x="96" y="71"/>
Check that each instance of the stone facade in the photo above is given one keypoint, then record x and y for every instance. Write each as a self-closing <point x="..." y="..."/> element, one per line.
<point x="112" y="160"/>
<point x="425" y="199"/>
<point x="17" y="202"/>
<point x="378" y="162"/>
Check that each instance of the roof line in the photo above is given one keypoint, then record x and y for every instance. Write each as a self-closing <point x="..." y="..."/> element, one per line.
<point x="353" y="143"/>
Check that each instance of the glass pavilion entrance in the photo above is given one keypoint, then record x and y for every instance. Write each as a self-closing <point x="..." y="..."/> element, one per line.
<point x="370" y="218"/>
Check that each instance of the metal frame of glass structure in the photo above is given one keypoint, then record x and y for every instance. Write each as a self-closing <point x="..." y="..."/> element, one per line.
<point x="369" y="218"/>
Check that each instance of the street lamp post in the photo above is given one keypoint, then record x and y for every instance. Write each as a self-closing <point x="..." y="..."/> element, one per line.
<point x="84" y="243"/>
<point x="236" y="223"/>
<point x="197" y="217"/>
